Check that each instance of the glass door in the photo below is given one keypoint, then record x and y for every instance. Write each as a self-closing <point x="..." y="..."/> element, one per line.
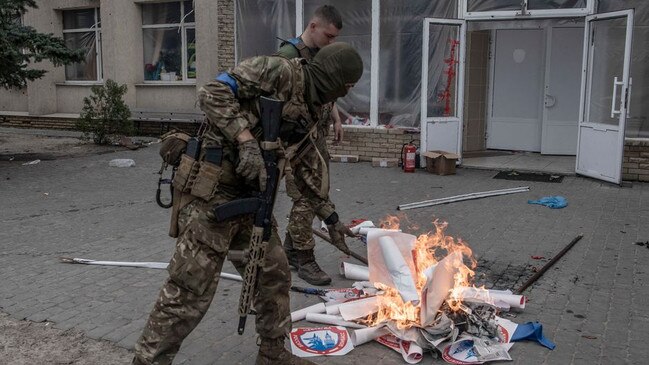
<point x="442" y="85"/>
<point x="605" y="94"/>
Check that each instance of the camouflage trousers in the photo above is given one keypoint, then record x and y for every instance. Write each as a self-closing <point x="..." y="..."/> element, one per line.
<point x="194" y="275"/>
<point x="309" y="176"/>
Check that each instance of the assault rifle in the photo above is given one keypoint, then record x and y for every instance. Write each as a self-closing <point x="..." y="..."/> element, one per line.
<point x="270" y="111"/>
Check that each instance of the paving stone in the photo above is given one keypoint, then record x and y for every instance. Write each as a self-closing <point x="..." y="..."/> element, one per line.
<point x="602" y="280"/>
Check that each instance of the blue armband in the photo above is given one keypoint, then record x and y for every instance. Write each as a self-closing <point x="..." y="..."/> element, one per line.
<point x="225" y="78"/>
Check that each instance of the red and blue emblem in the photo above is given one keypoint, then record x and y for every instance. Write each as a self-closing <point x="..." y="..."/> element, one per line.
<point x="321" y="341"/>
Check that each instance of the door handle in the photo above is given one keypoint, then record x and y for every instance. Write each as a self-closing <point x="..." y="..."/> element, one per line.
<point x="615" y="85"/>
<point x="549" y="101"/>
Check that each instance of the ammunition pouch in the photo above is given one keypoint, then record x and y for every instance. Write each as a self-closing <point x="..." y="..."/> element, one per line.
<point x="198" y="178"/>
<point x="195" y="179"/>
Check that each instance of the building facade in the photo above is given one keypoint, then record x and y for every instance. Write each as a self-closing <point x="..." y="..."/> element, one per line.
<point x="165" y="50"/>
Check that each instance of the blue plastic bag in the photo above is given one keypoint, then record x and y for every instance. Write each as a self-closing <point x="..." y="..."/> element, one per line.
<point x="554" y="202"/>
<point x="532" y="331"/>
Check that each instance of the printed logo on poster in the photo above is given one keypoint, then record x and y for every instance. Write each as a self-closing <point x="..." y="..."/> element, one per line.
<point x="461" y="353"/>
<point x="504" y="334"/>
<point x="320" y="340"/>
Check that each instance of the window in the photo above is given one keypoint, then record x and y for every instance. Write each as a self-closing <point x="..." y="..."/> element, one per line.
<point x="506" y="9"/>
<point x="82" y="30"/>
<point x="169" y="38"/>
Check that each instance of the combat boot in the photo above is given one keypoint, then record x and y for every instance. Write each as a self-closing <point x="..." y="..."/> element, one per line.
<point x="272" y="352"/>
<point x="291" y="253"/>
<point x="309" y="270"/>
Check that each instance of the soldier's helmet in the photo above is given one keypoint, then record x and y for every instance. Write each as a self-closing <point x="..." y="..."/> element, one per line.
<point x="332" y="69"/>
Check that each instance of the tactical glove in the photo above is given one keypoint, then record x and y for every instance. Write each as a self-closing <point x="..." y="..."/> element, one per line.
<point x="251" y="164"/>
<point x="337" y="233"/>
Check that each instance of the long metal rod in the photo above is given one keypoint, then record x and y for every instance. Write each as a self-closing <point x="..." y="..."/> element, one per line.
<point x="463" y="197"/>
<point x="545" y="268"/>
<point x="351" y="253"/>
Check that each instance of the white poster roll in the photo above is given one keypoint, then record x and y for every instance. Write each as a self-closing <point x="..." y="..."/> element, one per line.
<point x="493" y="296"/>
<point x="364" y="224"/>
<point x="354" y="272"/>
<point x="399" y="270"/>
<point x="359" y="308"/>
<point x="333" y="309"/>
<point x="329" y="319"/>
<point x="411" y="352"/>
<point x="300" y="314"/>
<point x="364" y="335"/>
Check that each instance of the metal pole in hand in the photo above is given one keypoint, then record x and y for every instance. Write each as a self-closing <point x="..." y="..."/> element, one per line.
<point x="350" y="253"/>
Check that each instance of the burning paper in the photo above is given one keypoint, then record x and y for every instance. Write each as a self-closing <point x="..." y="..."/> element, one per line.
<point x="399" y="244"/>
<point x="439" y="286"/>
<point x="400" y="273"/>
<point x="320" y="341"/>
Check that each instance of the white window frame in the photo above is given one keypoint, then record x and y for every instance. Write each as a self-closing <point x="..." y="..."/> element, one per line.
<point x="524" y="12"/>
<point x="96" y="27"/>
<point x="183" y="26"/>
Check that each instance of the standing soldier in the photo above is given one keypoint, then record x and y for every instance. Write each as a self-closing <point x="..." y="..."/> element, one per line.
<point x="309" y="189"/>
<point x="230" y="167"/>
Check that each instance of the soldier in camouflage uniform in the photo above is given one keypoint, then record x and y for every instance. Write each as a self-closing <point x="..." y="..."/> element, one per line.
<point x="230" y="104"/>
<point x="309" y="190"/>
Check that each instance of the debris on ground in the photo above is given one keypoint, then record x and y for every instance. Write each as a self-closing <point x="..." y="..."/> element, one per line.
<point x="553" y="202"/>
<point x="415" y="297"/>
<point x="121" y="162"/>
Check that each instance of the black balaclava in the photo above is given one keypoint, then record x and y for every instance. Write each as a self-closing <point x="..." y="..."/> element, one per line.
<point x="334" y="66"/>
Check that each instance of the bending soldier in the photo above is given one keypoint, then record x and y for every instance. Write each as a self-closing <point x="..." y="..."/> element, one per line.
<point x="309" y="189"/>
<point x="230" y="104"/>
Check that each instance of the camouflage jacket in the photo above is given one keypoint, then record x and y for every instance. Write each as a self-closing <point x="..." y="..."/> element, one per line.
<point x="233" y="106"/>
<point x="314" y="176"/>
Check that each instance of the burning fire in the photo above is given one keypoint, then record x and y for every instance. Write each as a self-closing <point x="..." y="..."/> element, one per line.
<point x="429" y="249"/>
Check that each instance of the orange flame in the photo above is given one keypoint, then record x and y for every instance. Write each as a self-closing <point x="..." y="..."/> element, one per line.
<point x="429" y="249"/>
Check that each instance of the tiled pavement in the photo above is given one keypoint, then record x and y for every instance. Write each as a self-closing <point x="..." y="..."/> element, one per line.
<point x="592" y="303"/>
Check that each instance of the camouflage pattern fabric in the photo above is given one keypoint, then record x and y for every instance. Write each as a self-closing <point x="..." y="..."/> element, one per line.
<point x="308" y="173"/>
<point x="202" y="244"/>
<point x="193" y="278"/>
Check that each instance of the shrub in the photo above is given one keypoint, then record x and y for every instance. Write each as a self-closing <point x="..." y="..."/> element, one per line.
<point x="105" y="116"/>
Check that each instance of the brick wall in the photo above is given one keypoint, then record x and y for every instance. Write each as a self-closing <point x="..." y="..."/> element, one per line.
<point x="369" y="142"/>
<point x="635" y="166"/>
<point x="225" y="33"/>
<point x="20" y="121"/>
<point x="366" y="143"/>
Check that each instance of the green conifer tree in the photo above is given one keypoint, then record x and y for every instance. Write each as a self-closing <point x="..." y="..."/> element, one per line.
<point x="21" y="46"/>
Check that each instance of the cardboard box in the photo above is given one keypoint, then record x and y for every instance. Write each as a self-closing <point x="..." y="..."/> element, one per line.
<point x="440" y="162"/>
<point x="384" y="162"/>
<point x="344" y="158"/>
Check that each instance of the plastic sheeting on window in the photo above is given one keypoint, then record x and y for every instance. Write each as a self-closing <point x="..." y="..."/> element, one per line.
<point x="260" y="24"/>
<point x="357" y="31"/>
<point x="86" y="70"/>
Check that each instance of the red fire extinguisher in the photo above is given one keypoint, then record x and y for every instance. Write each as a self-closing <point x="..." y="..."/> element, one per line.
<point x="408" y="157"/>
